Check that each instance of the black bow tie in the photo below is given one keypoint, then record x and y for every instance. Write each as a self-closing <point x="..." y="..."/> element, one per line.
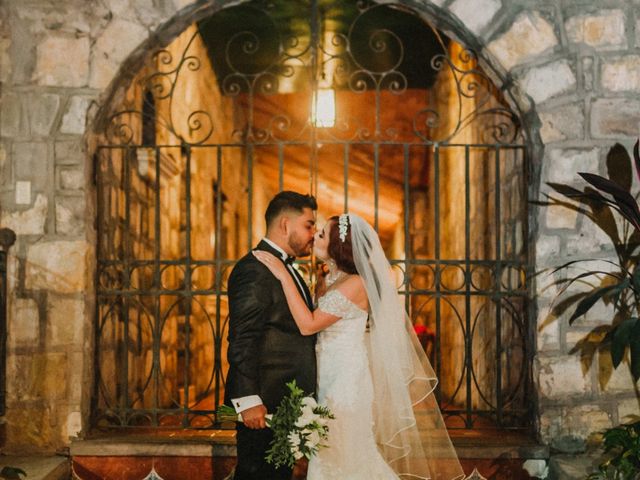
<point x="289" y="260"/>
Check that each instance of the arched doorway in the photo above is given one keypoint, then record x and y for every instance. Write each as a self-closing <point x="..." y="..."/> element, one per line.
<point x="365" y="105"/>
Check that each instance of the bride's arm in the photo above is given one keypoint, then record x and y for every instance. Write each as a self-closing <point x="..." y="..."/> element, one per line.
<point x="308" y="322"/>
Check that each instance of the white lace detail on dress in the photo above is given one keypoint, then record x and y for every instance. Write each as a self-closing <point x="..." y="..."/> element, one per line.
<point x="344" y="385"/>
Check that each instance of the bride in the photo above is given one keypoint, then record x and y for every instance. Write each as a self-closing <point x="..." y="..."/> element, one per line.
<point x="377" y="381"/>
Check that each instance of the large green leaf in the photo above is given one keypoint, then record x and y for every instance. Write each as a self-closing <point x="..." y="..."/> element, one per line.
<point x="636" y="156"/>
<point x="624" y="200"/>
<point x="585" y="304"/>
<point x="634" y="350"/>
<point x="620" y="337"/>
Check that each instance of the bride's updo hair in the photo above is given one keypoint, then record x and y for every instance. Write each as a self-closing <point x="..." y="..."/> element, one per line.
<point x="341" y="252"/>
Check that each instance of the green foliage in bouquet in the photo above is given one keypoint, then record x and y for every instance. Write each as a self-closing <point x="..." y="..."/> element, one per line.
<point x="622" y="445"/>
<point x="299" y="426"/>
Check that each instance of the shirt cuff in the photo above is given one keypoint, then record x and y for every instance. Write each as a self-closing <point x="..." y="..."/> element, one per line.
<point x="244" y="403"/>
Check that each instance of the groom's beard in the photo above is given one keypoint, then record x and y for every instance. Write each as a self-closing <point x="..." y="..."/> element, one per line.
<point x="299" y="247"/>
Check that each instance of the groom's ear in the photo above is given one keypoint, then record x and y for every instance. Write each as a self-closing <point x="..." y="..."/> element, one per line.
<point x="283" y="224"/>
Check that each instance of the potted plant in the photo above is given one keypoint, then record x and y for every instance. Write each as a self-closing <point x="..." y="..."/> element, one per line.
<point x="611" y="206"/>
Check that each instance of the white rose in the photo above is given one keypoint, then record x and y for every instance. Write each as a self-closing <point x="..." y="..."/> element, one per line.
<point x="309" y="402"/>
<point x="294" y="439"/>
<point x="298" y="455"/>
<point x="306" y="417"/>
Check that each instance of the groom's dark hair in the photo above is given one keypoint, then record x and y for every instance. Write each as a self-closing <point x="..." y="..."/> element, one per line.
<point x="287" y="201"/>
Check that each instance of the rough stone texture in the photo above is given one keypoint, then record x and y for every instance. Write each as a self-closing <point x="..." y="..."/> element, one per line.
<point x="562" y="123"/>
<point x="621" y="74"/>
<point x="559" y="377"/>
<point x="569" y="467"/>
<point x="28" y="222"/>
<point x="40" y="112"/>
<point x="71" y="178"/>
<point x="43" y="375"/>
<point x="569" y="444"/>
<point x="75" y="117"/>
<point x="69" y="153"/>
<point x="628" y="409"/>
<point x="59" y="266"/>
<point x="529" y="36"/>
<point x="24" y="323"/>
<point x="70" y="213"/>
<point x="475" y="14"/>
<point x="563" y="164"/>
<point x="30" y="163"/>
<point x="615" y="117"/>
<point x="548" y="81"/>
<point x="107" y="54"/>
<point x="11" y="115"/>
<point x="63" y="61"/>
<point x="586" y="419"/>
<point x="65" y="321"/>
<point x="603" y="29"/>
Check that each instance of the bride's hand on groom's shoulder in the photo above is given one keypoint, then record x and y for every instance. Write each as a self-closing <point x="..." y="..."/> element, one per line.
<point x="272" y="263"/>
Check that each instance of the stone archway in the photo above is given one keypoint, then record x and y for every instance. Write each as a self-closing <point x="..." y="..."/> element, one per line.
<point x="159" y="158"/>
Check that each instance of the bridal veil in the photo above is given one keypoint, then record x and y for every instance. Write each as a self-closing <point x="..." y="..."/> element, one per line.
<point x="409" y="428"/>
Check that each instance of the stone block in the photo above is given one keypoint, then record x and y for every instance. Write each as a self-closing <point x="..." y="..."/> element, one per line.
<point x="74" y="120"/>
<point x="24" y="323"/>
<point x="548" y="81"/>
<point x="69" y="152"/>
<point x="71" y="178"/>
<point x="65" y="321"/>
<point x="113" y="45"/>
<point x="615" y="117"/>
<point x="31" y="163"/>
<point x="70" y="215"/>
<point x="548" y="334"/>
<point x="58" y="266"/>
<point x="569" y="444"/>
<point x="32" y="221"/>
<point x="41" y="112"/>
<point x="5" y="171"/>
<point x="570" y="467"/>
<point x="562" y="376"/>
<point x="29" y="428"/>
<point x="638" y="32"/>
<point x="603" y="29"/>
<point x="11" y="119"/>
<point x="563" y="164"/>
<point x="620" y="380"/>
<point x="628" y="409"/>
<point x="42" y="376"/>
<point x="529" y="36"/>
<point x="73" y="425"/>
<point x="62" y="60"/>
<point x="550" y="423"/>
<point x="5" y="60"/>
<point x="475" y="14"/>
<point x="584" y="420"/>
<point x="562" y="123"/>
<point x="547" y="247"/>
<point x="559" y="216"/>
<point x="621" y="74"/>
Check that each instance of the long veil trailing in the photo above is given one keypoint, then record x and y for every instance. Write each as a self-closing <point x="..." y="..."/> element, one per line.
<point x="409" y="428"/>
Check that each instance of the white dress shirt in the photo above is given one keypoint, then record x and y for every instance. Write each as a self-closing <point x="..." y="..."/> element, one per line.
<point x="244" y="403"/>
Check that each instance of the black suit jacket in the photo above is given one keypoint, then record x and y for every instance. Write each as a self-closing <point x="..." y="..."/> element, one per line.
<point x="266" y="349"/>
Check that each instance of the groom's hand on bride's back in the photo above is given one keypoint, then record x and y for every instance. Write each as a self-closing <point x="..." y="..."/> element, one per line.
<point x="254" y="417"/>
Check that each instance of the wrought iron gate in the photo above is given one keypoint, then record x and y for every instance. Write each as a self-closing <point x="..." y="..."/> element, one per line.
<point x="309" y="96"/>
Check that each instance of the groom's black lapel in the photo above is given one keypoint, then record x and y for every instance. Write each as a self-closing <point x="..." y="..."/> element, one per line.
<point x="299" y="281"/>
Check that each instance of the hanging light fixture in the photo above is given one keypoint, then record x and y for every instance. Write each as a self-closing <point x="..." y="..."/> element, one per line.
<point x="323" y="110"/>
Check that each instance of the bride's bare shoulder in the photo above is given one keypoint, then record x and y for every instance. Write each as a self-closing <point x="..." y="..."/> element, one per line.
<point x="352" y="287"/>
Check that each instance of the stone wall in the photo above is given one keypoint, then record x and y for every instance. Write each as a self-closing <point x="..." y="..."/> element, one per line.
<point x="572" y="68"/>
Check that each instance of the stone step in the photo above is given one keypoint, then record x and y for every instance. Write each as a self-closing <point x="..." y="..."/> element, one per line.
<point x="53" y="467"/>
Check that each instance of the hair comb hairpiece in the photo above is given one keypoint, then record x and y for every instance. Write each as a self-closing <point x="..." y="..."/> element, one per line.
<point x="343" y="226"/>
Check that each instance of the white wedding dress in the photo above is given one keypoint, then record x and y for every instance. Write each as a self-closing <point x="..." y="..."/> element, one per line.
<point x="345" y="386"/>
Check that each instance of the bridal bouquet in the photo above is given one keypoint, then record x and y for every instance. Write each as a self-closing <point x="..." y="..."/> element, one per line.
<point x="299" y="427"/>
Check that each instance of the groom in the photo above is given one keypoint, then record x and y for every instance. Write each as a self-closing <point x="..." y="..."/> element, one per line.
<point x="266" y="349"/>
